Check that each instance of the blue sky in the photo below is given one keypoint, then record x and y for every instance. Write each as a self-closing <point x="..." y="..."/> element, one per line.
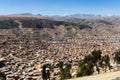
<point x="60" y="7"/>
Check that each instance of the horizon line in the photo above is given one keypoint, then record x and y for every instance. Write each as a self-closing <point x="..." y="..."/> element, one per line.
<point x="33" y="14"/>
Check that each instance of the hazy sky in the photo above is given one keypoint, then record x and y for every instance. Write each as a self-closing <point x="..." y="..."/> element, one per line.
<point x="60" y="7"/>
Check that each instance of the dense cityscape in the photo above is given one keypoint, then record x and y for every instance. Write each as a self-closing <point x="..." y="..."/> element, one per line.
<point x="28" y="53"/>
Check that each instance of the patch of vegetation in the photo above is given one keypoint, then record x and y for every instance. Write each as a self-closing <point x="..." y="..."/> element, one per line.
<point x="91" y="60"/>
<point x="64" y="70"/>
<point x="117" y="57"/>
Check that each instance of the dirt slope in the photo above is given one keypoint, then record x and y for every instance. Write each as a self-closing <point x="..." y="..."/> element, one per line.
<point x="107" y="76"/>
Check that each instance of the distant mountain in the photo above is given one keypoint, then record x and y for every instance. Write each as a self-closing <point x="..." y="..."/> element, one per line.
<point x="78" y="17"/>
<point x="20" y="14"/>
<point x="23" y="15"/>
<point x="30" y="14"/>
<point x="39" y="15"/>
<point x="71" y="18"/>
<point x="83" y="16"/>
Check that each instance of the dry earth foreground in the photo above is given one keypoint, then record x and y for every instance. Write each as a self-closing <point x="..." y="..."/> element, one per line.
<point x="107" y="76"/>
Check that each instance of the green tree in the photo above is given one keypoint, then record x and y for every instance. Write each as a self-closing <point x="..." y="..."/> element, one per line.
<point x="2" y="64"/>
<point x="96" y="56"/>
<point x="89" y="59"/>
<point x="44" y="72"/>
<point x="86" y="66"/>
<point x="67" y="68"/>
<point x="117" y="57"/>
<point x="2" y="76"/>
<point x="64" y="70"/>
<point x="48" y="68"/>
<point x="105" y="62"/>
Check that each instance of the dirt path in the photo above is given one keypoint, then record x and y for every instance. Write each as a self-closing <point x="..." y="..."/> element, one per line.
<point x="107" y="76"/>
<point x="20" y="24"/>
